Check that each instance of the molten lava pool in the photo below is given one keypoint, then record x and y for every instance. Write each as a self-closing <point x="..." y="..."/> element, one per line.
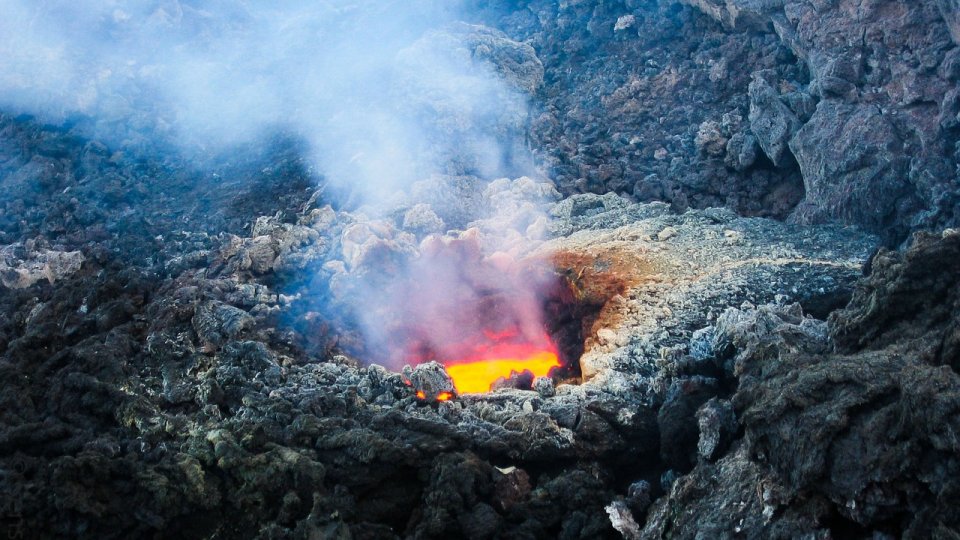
<point x="477" y="373"/>
<point x="480" y="316"/>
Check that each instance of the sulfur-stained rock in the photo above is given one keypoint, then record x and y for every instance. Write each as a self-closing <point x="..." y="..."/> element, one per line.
<point x="652" y="294"/>
<point x="194" y="376"/>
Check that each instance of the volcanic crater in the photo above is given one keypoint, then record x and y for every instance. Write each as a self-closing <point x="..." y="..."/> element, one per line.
<point x="486" y="270"/>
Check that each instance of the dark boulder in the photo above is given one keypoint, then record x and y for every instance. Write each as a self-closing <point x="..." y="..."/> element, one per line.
<point x="854" y="168"/>
<point x="771" y="121"/>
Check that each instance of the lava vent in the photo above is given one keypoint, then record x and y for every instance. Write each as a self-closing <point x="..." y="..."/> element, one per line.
<point x="491" y="321"/>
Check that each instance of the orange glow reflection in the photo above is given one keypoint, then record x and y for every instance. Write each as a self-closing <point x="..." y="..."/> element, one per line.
<point x="473" y="376"/>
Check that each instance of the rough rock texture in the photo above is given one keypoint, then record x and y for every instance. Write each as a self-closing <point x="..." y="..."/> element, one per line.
<point x="853" y="165"/>
<point x="22" y="266"/>
<point x="847" y="430"/>
<point x="950" y="10"/>
<point x="639" y="97"/>
<point x="887" y="308"/>
<point x="461" y="113"/>
<point x="671" y="271"/>
<point x="718" y="424"/>
<point x="771" y="121"/>
<point x="187" y="380"/>
<point x="177" y="356"/>
<point x="854" y="105"/>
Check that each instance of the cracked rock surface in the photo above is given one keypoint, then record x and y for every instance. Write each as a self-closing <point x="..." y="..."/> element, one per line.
<point x="841" y="431"/>
<point x="181" y="382"/>
<point x="820" y="111"/>
<point x="178" y="357"/>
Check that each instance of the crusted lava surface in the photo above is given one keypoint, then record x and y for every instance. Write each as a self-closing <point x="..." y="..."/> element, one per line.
<point x="182" y="354"/>
<point x="187" y="382"/>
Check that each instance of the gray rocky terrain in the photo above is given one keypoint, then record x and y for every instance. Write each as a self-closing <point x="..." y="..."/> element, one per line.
<point x="814" y="111"/>
<point x="741" y="230"/>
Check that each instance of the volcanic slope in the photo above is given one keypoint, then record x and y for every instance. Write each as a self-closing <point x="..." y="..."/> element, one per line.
<point x="178" y="383"/>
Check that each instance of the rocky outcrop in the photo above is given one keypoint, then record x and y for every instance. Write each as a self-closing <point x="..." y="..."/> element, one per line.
<point x="854" y="168"/>
<point x="950" y="10"/>
<point x="177" y="357"/>
<point x="771" y="121"/>
<point x="852" y="101"/>
<point x="673" y="270"/>
<point x="466" y="90"/>
<point x="23" y="265"/>
<point x="887" y="310"/>
<point x="872" y="153"/>
<point x="739" y="14"/>
<point x="190" y="379"/>
<point x="841" y="422"/>
<point x="650" y="100"/>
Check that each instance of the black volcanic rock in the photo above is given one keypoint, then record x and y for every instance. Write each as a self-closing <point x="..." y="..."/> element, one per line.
<point x="620" y="110"/>
<point x="852" y="441"/>
<point x="187" y="377"/>
<point x="178" y="358"/>
<point x="950" y="10"/>
<point x="870" y="83"/>
<point x="677" y="420"/>
<point x="771" y="121"/>
<point x="854" y="168"/>
<point x="911" y="297"/>
<point x="873" y="154"/>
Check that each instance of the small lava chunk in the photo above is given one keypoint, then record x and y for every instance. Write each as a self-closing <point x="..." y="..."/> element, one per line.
<point x="429" y="382"/>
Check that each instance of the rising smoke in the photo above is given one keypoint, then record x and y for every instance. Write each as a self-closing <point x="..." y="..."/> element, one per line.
<point x="384" y="94"/>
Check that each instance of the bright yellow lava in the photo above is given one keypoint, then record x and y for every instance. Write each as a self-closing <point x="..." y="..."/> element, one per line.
<point x="478" y="375"/>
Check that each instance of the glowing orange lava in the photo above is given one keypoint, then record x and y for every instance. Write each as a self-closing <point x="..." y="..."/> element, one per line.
<point x="477" y="375"/>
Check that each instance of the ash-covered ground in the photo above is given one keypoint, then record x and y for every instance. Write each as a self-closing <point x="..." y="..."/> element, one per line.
<point x="202" y="347"/>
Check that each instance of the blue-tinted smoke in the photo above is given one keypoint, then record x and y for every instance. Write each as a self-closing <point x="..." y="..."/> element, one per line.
<point x="384" y="92"/>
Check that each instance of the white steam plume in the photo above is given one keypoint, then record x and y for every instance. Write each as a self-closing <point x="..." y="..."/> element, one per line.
<point x="381" y="95"/>
<point x="385" y="92"/>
